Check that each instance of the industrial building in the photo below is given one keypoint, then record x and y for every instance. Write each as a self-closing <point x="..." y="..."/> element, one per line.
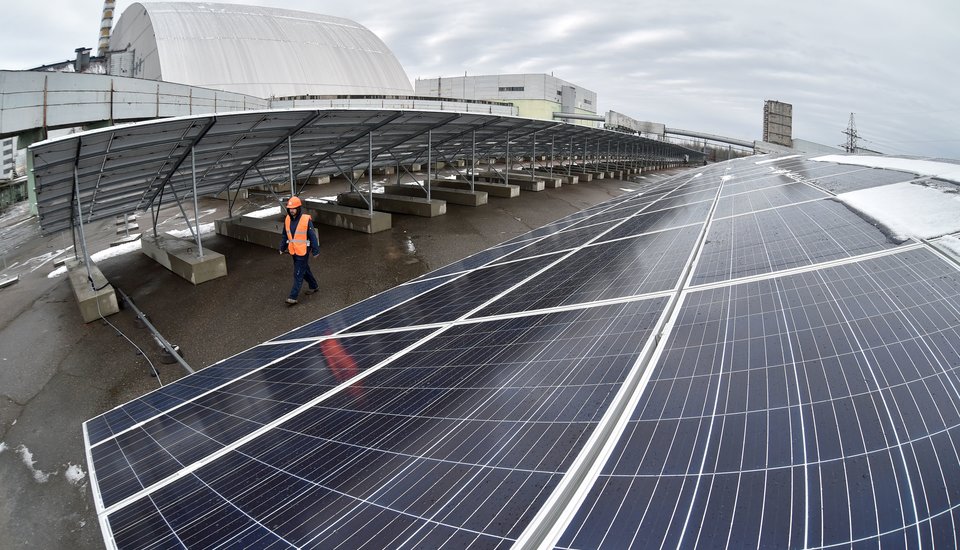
<point x="7" y="158"/>
<point x="537" y="96"/>
<point x="264" y="52"/>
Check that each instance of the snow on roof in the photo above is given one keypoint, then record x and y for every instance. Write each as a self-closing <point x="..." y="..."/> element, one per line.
<point x="943" y="170"/>
<point x="909" y="209"/>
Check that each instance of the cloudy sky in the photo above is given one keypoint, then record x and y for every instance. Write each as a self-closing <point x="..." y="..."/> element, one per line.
<point x="697" y="65"/>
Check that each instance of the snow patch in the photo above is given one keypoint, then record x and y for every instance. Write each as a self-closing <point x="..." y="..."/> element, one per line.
<point x="27" y="457"/>
<point x="949" y="242"/>
<point x="263" y="213"/>
<point x="943" y="170"/>
<point x="111" y="252"/>
<point x="75" y="474"/>
<point x="3" y="446"/>
<point x="907" y="209"/>
<point x="725" y="178"/>
<point x="768" y="161"/>
<point x="183" y="233"/>
<point x="625" y="190"/>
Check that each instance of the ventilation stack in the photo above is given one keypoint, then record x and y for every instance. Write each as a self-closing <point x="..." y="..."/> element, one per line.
<point x="105" y="25"/>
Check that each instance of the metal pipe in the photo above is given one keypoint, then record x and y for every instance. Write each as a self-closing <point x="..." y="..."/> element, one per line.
<point x="163" y="341"/>
<point x="429" y="160"/>
<point x="533" y="157"/>
<point x="553" y="141"/>
<point x="507" y="171"/>
<point x="293" y="184"/>
<point x="83" y="238"/>
<point x="473" y="166"/>
<point x="579" y="117"/>
<point x="196" y="209"/>
<point x="370" y="172"/>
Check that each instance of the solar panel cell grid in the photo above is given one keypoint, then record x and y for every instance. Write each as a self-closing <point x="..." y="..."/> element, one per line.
<point x="166" y="443"/>
<point x="462" y="437"/>
<point x="782" y="238"/>
<point x="777" y="416"/>
<point x="456" y="298"/>
<point x="168" y="396"/>
<point x="751" y="201"/>
<point x="619" y="269"/>
<point x="658" y="220"/>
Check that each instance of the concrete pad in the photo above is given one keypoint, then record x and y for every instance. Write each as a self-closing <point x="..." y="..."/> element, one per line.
<point x="283" y="187"/>
<point x="354" y="219"/>
<point x="261" y="231"/>
<point x="454" y="196"/>
<point x="582" y="177"/>
<point x="548" y="182"/>
<point x="315" y="180"/>
<point x="526" y="183"/>
<point x="397" y="204"/>
<point x="233" y="194"/>
<point x="580" y="171"/>
<point x="562" y="176"/>
<point x="491" y="189"/>
<point x="93" y="303"/>
<point x="181" y="257"/>
<point x="10" y="282"/>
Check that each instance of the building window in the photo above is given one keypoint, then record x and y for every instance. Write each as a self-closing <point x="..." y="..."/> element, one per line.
<point x="511" y="88"/>
<point x="588" y="102"/>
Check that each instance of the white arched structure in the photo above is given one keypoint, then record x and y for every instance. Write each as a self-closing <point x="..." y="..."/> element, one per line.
<point x="263" y="52"/>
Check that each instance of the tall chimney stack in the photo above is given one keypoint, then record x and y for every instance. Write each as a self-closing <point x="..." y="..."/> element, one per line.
<point x="105" y="25"/>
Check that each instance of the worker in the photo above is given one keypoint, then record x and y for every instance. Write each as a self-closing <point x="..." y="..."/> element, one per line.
<point x="299" y="240"/>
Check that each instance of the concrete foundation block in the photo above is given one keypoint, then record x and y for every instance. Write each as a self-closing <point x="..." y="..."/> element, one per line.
<point x="93" y="303"/>
<point x="397" y="204"/>
<point x="524" y="182"/>
<point x="261" y="231"/>
<point x="181" y="257"/>
<point x="491" y="189"/>
<point x="454" y="196"/>
<point x="231" y="194"/>
<point x="316" y="180"/>
<point x="346" y="217"/>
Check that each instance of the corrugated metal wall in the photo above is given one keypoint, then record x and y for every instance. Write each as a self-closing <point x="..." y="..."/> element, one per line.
<point x="263" y="52"/>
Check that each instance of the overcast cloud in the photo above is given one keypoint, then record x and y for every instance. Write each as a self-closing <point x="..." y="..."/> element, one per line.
<point x="696" y="65"/>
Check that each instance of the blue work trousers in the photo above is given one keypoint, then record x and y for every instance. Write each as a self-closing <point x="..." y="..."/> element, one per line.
<point x="301" y="271"/>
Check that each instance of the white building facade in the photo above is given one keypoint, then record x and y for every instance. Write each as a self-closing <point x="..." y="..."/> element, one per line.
<point x="535" y="95"/>
<point x="263" y="52"/>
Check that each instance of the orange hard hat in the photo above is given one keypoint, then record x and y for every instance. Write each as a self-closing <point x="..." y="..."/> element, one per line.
<point x="294" y="202"/>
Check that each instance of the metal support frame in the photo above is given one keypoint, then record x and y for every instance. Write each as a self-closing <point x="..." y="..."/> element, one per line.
<point x="570" y="164"/>
<point x="370" y="172"/>
<point x="293" y="182"/>
<point x="176" y="165"/>
<point x="182" y="211"/>
<point x="83" y="237"/>
<point x="196" y="209"/>
<point x="169" y="348"/>
<point x="533" y="156"/>
<point x="429" y="160"/>
<point x="473" y="161"/>
<point x="553" y="141"/>
<point x="506" y="172"/>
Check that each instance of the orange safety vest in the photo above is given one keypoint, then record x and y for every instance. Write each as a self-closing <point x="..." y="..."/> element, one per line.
<point x="297" y="242"/>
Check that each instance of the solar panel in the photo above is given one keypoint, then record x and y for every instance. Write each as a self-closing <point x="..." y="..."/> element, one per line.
<point x="812" y="410"/>
<point x="785" y="237"/>
<point x="723" y="358"/>
<point x="457" y="440"/>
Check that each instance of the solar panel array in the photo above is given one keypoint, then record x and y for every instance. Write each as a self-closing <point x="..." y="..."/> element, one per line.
<point x="725" y="358"/>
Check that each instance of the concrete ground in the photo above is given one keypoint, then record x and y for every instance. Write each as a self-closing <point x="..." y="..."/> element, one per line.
<point x="56" y="371"/>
